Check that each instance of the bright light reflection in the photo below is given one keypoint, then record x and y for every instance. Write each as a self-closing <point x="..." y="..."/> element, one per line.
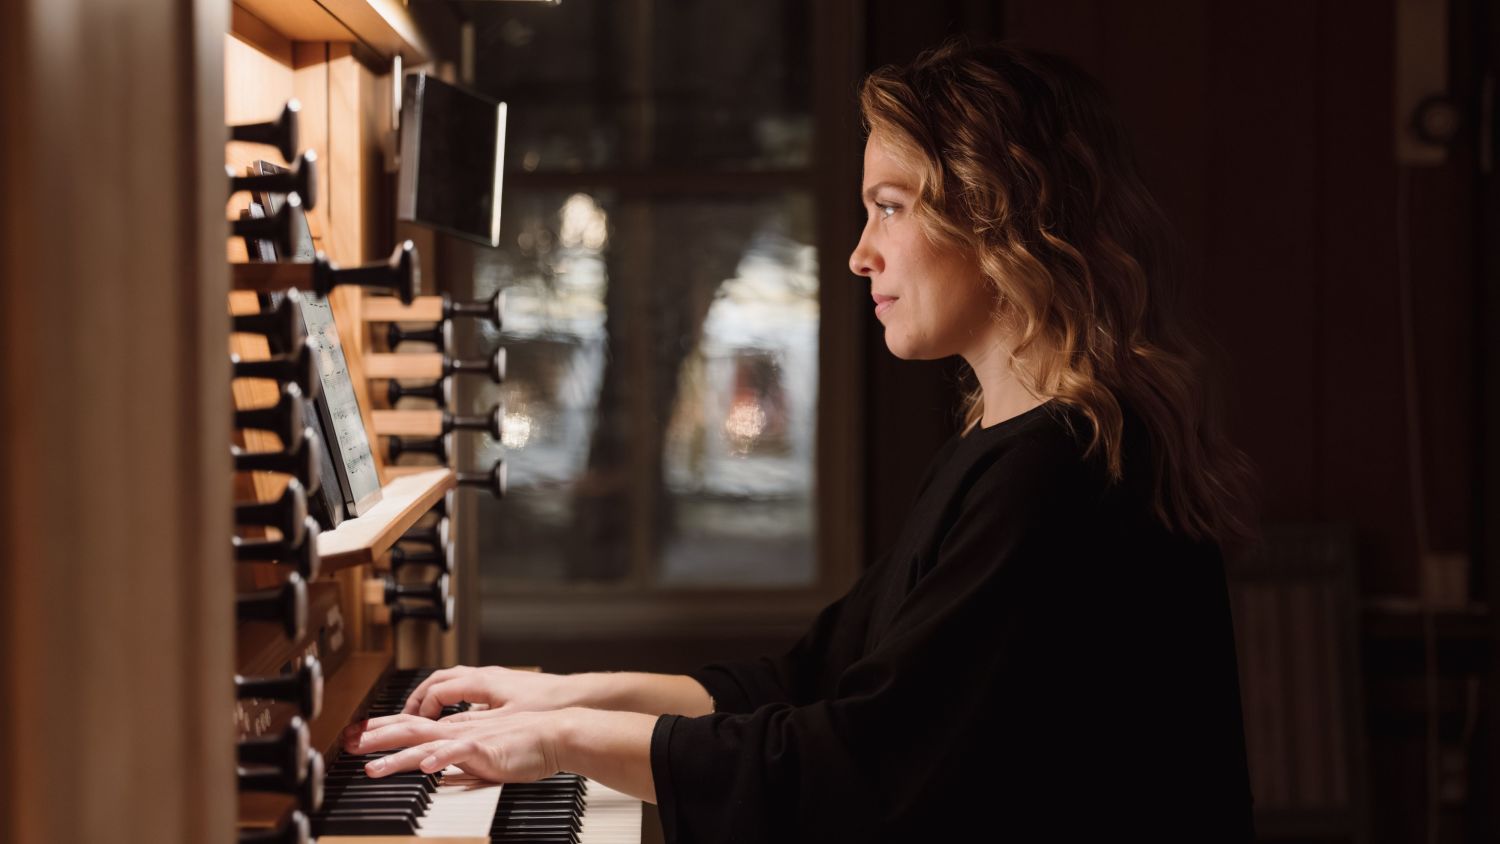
<point x="516" y="431"/>
<point x="584" y="223"/>
<point x="745" y="423"/>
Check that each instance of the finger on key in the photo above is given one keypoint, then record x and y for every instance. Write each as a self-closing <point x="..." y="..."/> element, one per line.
<point x="414" y="700"/>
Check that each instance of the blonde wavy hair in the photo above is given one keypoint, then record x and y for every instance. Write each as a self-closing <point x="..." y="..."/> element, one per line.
<point x="1023" y="164"/>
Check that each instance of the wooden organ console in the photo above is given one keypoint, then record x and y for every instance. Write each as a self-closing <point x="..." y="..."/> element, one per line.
<point x="348" y="636"/>
<point x="157" y="482"/>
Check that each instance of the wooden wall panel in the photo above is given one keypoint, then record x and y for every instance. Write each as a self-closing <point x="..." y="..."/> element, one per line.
<point x="258" y="83"/>
<point x="310" y="84"/>
<point x="115" y="491"/>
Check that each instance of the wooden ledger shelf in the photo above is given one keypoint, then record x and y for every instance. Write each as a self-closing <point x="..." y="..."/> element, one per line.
<point x="402" y="502"/>
<point x="385" y="26"/>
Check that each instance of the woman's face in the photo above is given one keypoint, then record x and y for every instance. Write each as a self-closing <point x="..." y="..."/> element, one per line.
<point x="933" y="300"/>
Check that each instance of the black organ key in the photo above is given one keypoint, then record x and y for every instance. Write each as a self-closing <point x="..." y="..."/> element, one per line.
<point x="284" y="418"/>
<point x="282" y="325"/>
<point x="280" y="133"/>
<point x="303" y="687"/>
<point x="301" y="178"/>
<point x="288" y="514"/>
<point x="299" y="367"/>
<point x="286" y="603"/>
<point x="494" y="481"/>
<point x="300" y="460"/>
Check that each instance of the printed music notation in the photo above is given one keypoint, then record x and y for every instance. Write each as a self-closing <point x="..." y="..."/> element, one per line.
<point x="357" y="473"/>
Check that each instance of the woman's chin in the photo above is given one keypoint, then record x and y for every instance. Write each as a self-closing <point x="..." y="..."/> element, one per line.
<point x="903" y="348"/>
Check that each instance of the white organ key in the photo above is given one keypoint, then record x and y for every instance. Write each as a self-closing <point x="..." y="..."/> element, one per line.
<point x="463" y="805"/>
<point x="610" y="817"/>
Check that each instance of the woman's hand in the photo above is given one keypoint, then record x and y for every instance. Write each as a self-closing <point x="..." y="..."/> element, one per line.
<point x="611" y="747"/>
<point x="503" y="689"/>
<point x="515" y="747"/>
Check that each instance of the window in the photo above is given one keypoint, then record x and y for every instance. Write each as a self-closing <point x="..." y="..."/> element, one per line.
<point x="665" y="316"/>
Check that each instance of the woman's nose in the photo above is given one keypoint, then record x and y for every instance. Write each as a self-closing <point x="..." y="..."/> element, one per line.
<point x="863" y="260"/>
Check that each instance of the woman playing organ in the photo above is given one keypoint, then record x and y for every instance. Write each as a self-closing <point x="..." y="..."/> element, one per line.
<point x="1048" y="645"/>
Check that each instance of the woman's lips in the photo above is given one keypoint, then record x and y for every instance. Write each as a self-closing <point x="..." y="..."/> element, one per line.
<point x="882" y="303"/>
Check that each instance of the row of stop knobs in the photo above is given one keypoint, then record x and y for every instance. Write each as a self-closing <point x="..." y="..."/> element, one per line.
<point x="282" y="762"/>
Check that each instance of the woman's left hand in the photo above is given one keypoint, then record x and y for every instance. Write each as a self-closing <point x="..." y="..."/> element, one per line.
<point x="501" y="747"/>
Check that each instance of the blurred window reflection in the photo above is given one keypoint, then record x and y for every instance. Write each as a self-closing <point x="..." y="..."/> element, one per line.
<point x="662" y="297"/>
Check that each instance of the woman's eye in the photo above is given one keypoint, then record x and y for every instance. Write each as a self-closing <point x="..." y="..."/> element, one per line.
<point x="884" y="208"/>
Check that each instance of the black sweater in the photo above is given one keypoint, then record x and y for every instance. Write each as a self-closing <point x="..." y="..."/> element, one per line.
<point x="1035" y="659"/>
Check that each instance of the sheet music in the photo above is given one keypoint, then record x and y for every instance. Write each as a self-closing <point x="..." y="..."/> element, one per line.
<point x="359" y="479"/>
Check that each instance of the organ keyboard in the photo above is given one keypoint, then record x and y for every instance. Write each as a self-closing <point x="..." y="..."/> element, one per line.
<point x="563" y="809"/>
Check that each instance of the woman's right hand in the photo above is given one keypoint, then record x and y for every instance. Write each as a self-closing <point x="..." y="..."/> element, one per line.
<point x="502" y="689"/>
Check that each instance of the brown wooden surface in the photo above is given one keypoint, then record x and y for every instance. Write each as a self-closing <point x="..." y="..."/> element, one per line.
<point x="347" y="696"/>
<point x="254" y="392"/>
<point x="262" y="648"/>
<point x="384" y="26"/>
<point x="403" y="471"/>
<point x="417" y="365"/>
<point x="263" y="810"/>
<point x="390" y="309"/>
<point x="251" y="30"/>
<point x="310" y="86"/>
<point x="403" y="501"/>
<point x="357" y="115"/>
<point x="257" y="84"/>
<point x="297" y="20"/>
<point x="407" y="423"/>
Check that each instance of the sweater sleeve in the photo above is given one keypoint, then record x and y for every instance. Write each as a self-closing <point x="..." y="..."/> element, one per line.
<point x="802" y="673"/>
<point x="962" y="659"/>
<point x="806" y="671"/>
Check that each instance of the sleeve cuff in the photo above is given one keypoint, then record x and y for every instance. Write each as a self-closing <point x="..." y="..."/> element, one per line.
<point x="726" y="692"/>
<point x="661" y="775"/>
